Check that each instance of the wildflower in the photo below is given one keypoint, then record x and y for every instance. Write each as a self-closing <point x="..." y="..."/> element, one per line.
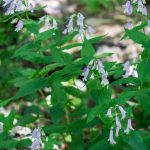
<point x="36" y="145"/>
<point x="85" y="73"/>
<point x="31" y="8"/>
<point x="111" y="138"/>
<point x="128" y="26"/>
<point x="109" y="112"/>
<point x="19" y="25"/>
<point x="148" y="23"/>
<point x="103" y="73"/>
<point x="10" y="9"/>
<point x="36" y="136"/>
<point x="90" y="30"/>
<point x="129" y="70"/>
<point x="123" y="113"/>
<point x="128" y="8"/>
<point x="69" y="26"/>
<point x="55" y="24"/>
<point x="19" y="6"/>
<point x="118" y="126"/>
<point x="140" y="6"/>
<point x="80" y="20"/>
<point x="7" y="2"/>
<point x="144" y="10"/>
<point x="129" y="127"/>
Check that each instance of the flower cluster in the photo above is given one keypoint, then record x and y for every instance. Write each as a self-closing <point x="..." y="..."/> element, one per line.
<point x="76" y="23"/>
<point x="113" y="113"/>
<point x="36" y="137"/>
<point x="17" y="5"/>
<point x="129" y="70"/>
<point x="128" y="9"/>
<point x="98" y="66"/>
<point x="49" y="22"/>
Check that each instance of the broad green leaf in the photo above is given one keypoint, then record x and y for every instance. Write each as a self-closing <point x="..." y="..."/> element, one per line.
<point x="32" y="86"/>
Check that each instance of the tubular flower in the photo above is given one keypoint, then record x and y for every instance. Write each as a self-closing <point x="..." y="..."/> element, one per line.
<point x="69" y="26"/>
<point x="111" y="138"/>
<point x="123" y="113"/>
<point x="17" y="5"/>
<point x="129" y="70"/>
<point x="85" y="73"/>
<point x="144" y="10"/>
<point x="140" y="6"/>
<point x="129" y="127"/>
<point x="103" y="73"/>
<point x="118" y="126"/>
<point x="36" y="136"/>
<point x="128" y="8"/>
<point x="19" y="25"/>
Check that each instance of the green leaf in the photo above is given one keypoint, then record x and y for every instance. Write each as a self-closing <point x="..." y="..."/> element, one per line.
<point x="26" y="119"/>
<point x="8" y="121"/>
<point x="32" y="86"/>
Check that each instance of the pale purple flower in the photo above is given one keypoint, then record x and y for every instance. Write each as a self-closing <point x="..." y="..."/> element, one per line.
<point x="118" y="126"/>
<point x="69" y="26"/>
<point x="144" y="10"/>
<point x="129" y="127"/>
<point x="36" y="145"/>
<point x="103" y="73"/>
<point x="31" y="8"/>
<point x="80" y="20"/>
<point x="129" y="70"/>
<point x="111" y="138"/>
<point x="85" y="73"/>
<point x="36" y="134"/>
<point x="20" y="6"/>
<point x="109" y="112"/>
<point x="19" y="25"/>
<point x="128" y="26"/>
<point x="7" y="2"/>
<point x="123" y="112"/>
<point x="90" y="30"/>
<point x="128" y="8"/>
<point x="10" y="9"/>
<point x="140" y="6"/>
<point x="148" y="23"/>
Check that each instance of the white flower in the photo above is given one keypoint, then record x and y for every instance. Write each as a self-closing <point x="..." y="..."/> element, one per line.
<point x="55" y="147"/>
<point x="123" y="113"/>
<point x="129" y="127"/>
<point x="118" y="126"/>
<point x="19" y="25"/>
<point x="55" y="24"/>
<point x="111" y="138"/>
<point x="109" y="112"/>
